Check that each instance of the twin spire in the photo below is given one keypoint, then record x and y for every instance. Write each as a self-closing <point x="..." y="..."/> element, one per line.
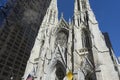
<point x="80" y="6"/>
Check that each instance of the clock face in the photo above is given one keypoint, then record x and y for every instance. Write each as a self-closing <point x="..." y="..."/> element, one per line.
<point x="61" y="39"/>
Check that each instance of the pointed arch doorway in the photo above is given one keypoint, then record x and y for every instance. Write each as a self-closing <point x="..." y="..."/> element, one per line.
<point x="56" y="71"/>
<point x="60" y="71"/>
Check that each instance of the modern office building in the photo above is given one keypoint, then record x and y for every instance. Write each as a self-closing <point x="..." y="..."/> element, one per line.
<point x="17" y="34"/>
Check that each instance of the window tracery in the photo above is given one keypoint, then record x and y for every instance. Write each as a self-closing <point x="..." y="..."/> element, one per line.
<point x="86" y="42"/>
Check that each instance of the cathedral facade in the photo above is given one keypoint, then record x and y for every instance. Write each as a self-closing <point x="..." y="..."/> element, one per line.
<point x="77" y="46"/>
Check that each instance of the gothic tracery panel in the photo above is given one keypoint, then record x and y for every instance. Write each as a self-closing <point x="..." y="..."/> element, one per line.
<point x="86" y="42"/>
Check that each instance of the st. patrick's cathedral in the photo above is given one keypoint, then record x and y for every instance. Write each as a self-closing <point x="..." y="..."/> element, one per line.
<point x="74" y="50"/>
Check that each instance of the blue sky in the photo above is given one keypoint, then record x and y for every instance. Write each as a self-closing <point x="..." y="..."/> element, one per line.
<point x="107" y="13"/>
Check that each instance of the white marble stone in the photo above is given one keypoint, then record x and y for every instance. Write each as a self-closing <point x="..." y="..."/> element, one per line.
<point x="77" y="46"/>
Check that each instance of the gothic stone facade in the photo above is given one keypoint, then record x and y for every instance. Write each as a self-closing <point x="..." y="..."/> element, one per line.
<point x="78" y="46"/>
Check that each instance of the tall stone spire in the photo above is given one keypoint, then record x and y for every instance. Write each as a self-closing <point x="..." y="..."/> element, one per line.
<point x="77" y="6"/>
<point x="79" y="22"/>
<point x="52" y="13"/>
<point x="42" y="42"/>
<point x="79" y="11"/>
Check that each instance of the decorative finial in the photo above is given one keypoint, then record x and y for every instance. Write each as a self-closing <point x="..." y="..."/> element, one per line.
<point x="62" y="15"/>
<point x="69" y="21"/>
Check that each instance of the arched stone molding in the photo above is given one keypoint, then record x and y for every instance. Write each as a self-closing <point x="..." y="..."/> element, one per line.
<point x="56" y="70"/>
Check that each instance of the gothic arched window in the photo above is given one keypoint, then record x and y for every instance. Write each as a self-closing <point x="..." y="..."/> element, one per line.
<point x="61" y="39"/>
<point x="86" y="42"/>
